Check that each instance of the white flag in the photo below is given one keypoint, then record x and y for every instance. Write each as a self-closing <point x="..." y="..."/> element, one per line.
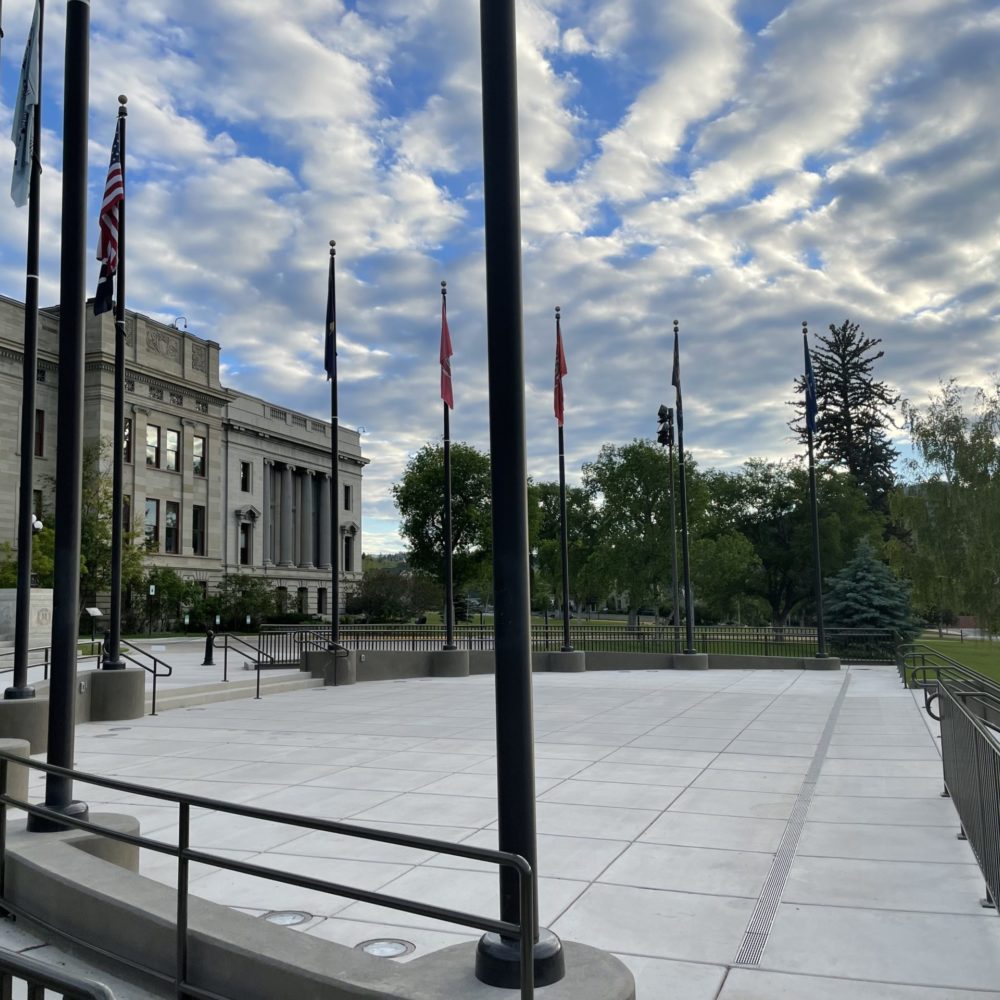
<point x="22" y="133"/>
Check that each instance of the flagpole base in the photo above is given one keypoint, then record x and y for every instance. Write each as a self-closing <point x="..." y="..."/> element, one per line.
<point x="498" y="960"/>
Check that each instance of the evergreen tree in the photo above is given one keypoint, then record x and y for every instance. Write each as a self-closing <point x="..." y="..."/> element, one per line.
<point x="866" y="594"/>
<point x="855" y="410"/>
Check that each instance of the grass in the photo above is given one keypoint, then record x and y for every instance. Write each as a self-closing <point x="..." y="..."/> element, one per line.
<point x="979" y="654"/>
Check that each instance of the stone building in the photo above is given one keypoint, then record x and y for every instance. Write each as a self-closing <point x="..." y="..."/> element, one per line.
<point x="217" y="481"/>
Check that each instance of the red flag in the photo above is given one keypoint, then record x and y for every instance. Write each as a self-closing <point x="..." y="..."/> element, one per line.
<point x="446" y="353"/>
<point x="561" y="370"/>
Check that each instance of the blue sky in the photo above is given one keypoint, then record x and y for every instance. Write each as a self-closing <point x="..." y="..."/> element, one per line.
<point x="741" y="166"/>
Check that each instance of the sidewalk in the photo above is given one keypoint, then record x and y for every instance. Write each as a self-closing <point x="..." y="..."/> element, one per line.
<point x="731" y="835"/>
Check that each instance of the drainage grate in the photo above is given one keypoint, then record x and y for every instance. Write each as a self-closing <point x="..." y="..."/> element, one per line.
<point x="762" y="917"/>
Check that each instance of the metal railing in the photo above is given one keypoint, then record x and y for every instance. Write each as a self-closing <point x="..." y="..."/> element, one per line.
<point x="525" y="931"/>
<point x="285" y="642"/>
<point x="971" y="757"/>
<point x="43" y="656"/>
<point x="922" y="666"/>
<point x="40" y="976"/>
<point x="153" y="670"/>
<point x="228" y="639"/>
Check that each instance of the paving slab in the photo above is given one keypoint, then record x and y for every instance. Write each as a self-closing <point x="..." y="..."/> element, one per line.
<point x="662" y="799"/>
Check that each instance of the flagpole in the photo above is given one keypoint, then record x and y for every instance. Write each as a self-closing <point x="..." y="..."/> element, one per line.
<point x="567" y="646"/>
<point x="498" y="958"/>
<point x="29" y="374"/>
<point x="69" y="456"/>
<point x="675" y="591"/>
<point x="449" y="585"/>
<point x="814" y="506"/>
<point x="331" y="371"/>
<point x="112" y="652"/>
<point x="685" y="547"/>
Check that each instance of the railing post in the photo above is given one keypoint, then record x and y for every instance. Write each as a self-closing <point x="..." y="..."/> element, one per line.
<point x="3" y="833"/>
<point x="225" y="658"/>
<point x="183" y="839"/>
<point x="153" y="706"/>
<point x="257" y="696"/>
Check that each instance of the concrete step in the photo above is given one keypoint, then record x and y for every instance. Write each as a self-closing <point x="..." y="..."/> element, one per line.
<point x="209" y="693"/>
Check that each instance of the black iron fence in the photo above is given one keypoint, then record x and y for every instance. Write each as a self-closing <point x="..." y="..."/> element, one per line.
<point x="971" y="757"/>
<point x="525" y="931"/>
<point x="285" y="643"/>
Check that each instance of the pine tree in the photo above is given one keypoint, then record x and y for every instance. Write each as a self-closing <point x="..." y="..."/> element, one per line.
<point x="855" y="410"/>
<point x="866" y="594"/>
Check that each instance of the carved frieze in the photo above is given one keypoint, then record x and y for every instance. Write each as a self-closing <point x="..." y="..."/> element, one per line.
<point x="162" y="343"/>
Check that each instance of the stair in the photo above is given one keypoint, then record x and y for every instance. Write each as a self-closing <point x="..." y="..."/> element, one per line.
<point x="205" y="694"/>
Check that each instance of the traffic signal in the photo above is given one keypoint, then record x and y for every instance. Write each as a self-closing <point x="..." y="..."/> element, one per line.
<point x="665" y="432"/>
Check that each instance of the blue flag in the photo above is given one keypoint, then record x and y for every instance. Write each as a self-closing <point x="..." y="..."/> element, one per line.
<point x="22" y="132"/>
<point x="812" y="407"/>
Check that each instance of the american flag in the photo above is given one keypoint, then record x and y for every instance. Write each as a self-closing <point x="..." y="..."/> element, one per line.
<point x="114" y="192"/>
<point x="107" y="240"/>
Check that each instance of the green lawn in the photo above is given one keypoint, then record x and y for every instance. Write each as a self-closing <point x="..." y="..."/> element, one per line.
<point x="979" y="654"/>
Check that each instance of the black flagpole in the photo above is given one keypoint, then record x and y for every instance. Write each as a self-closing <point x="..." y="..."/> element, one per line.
<point x="814" y="510"/>
<point x="331" y="334"/>
<point x="497" y="958"/>
<point x="675" y="590"/>
<point x="567" y="646"/>
<point x="449" y="583"/>
<point x="112" y="653"/>
<point x="29" y="365"/>
<point x="685" y="548"/>
<point x="69" y="456"/>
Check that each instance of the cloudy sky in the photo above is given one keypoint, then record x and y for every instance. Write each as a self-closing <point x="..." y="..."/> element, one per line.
<point x="741" y="165"/>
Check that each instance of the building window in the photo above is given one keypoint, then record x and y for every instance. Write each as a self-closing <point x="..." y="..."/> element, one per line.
<point x="153" y="525"/>
<point x="321" y="600"/>
<point x="348" y="496"/>
<point x="198" y="530"/>
<point x="245" y="477"/>
<point x="303" y="600"/>
<point x="36" y="503"/>
<point x="198" y="453"/>
<point x="348" y="554"/>
<point x="153" y="445"/>
<point x="127" y="441"/>
<point x="281" y="593"/>
<point x="171" y="534"/>
<point x="172" y="462"/>
<point x="245" y="553"/>
<point x="39" y="433"/>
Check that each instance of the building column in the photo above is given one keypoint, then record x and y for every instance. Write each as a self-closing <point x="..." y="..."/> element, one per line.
<point x="287" y="525"/>
<point x="306" y="521"/>
<point x="267" y="553"/>
<point x="324" y="522"/>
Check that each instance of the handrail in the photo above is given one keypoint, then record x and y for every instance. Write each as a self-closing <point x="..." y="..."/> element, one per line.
<point x="227" y="638"/>
<point x="524" y="931"/>
<point x="41" y="975"/>
<point x="930" y="677"/>
<point x="47" y="657"/>
<point x="154" y="670"/>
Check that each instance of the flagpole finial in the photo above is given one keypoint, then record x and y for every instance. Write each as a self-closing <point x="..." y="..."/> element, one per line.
<point x="558" y="310"/>
<point x="333" y="244"/>
<point x="676" y="326"/>
<point x="122" y="101"/>
<point x="805" y="328"/>
<point x="444" y="288"/>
